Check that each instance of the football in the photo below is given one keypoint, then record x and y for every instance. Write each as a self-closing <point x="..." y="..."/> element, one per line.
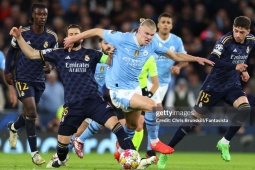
<point x="129" y="159"/>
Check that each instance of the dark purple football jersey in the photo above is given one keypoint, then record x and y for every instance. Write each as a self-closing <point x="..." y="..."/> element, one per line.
<point x="229" y="51"/>
<point x="76" y="69"/>
<point x="27" y="70"/>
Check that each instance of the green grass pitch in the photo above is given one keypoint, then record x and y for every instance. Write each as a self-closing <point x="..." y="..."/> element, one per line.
<point x="177" y="161"/>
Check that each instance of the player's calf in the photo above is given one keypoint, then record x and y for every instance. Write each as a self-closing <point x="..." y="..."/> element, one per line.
<point x="243" y="111"/>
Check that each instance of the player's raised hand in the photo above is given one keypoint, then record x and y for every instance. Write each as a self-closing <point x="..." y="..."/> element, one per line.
<point x="241" y="67"/>
<point x="204" y="61"/>
<point x="15" y="32"/>
<point x="69" y="42"/>
<point x="245" y="76"/>
<point x="175" y="70"/>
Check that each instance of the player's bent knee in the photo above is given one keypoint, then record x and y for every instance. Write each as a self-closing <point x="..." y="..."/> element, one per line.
<point x="243" y="111"/>
<point x="31" y="114"/>
<point x="111" y="122"/>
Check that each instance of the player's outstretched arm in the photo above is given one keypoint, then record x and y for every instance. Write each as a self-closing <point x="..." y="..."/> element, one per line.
<point x="27" y="49"/>
<point x="186" y="57"/>
<point x="175" y="70"/>
<point x="68" y="41"/>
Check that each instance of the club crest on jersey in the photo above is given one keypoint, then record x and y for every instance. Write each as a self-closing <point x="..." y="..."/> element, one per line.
<point x="247" y="49"/>
<point x="172" y="48"/>
<point x="145" y="53"/>
<point x="46" y="44"/>
<point x="136" y="53"/>
<point x="86" y="58"/>
<point x="102" y="69"/>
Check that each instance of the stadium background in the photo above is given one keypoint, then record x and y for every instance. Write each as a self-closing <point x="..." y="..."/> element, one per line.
<point x="199" y="24"/>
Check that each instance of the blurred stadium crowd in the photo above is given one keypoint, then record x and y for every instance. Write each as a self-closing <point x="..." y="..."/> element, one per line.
<point x="198" y="22"/>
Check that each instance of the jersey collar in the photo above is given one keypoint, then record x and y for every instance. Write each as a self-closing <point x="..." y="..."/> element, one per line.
<point x="163" y="41"/>
<point x="136" y="42"/>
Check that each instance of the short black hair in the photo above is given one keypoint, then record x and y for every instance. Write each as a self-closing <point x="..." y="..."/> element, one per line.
<point x="38" y="5"/>
<point x="164" y="14"/>
<point x="74" y="26"/>
<point x="35" y="6"/>
<point x="242" y="21"/>
<point x="100" y="40"/>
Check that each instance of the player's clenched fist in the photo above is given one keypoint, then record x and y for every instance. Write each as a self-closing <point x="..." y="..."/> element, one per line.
<point x="241" y="67"/>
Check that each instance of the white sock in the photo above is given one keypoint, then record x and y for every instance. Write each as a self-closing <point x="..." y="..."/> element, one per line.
<point x="154" y="141"/>
<point x="224" y="141"/>
<point x="33" y="153"/>
<point x="13" y="128"/>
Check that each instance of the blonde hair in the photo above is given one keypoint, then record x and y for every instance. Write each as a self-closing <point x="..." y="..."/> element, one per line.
<point x="148" y="22"/>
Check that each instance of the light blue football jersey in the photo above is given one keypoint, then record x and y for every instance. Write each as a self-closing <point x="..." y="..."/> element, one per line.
<point x="100" y="73"/>
<point x="2" y="61"/>
<point x="164" y="64"/>
<point x="128" y="59"/>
